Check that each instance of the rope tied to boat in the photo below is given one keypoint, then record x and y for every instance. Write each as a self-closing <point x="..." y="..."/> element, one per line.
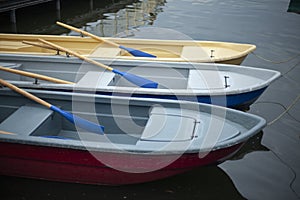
<point x="276" y="62"/>
<point x="286" y="109"/>
<point x="284" y="112"/>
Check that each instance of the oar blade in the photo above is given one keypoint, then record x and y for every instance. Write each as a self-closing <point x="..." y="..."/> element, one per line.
<point x="137" y="80"/>
<point x="137" y="53"/>
<point x="55" y="137"/>
<point x="80" y="122"/>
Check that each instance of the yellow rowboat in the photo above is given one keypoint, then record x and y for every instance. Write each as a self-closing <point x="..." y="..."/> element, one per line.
<point x="165" y="50"/>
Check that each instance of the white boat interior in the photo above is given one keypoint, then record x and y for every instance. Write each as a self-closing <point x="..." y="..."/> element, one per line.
<point x="131" y="124"/>
<point x="177" y="78"/>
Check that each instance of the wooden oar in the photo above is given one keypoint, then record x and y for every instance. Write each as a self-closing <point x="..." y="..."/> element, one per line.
<point x="38" y="45"/>
<point x="45" y="136"/>
<point x="134" y="52"/>
<point x="33" y="75"/>
<point x="6" y="133"/>
<point x="78" y="121"/>
<point x="137" y="80"/>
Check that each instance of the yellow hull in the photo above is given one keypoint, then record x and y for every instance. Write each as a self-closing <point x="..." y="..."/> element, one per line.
<point x="165" y="50"/>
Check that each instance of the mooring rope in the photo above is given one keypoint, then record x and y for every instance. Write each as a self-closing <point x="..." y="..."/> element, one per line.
<point x="276" y="62"/>
<point x="286" y="109"/>
<point x="284" y="112"/>
<point x="291" y="68"/>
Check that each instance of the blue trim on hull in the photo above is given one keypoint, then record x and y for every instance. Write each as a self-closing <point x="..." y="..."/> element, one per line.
<point x="238" y="101"/>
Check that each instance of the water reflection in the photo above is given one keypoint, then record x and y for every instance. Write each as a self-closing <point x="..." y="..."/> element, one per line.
<point x="253" y="144"/>
<point x="105" y="18"/>
<point x="294" y="6"/>
<point x="208" y="183"/>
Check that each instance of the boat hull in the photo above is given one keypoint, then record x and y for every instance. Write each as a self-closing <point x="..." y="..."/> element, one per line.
<point x="165" y="50"/>
<point x="145" y="139"/>
<point x="78" y="166"/>
<point x="241" y="101"/>
<point x="235" y="61"/>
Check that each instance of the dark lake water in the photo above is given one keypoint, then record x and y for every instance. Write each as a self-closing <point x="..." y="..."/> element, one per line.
<point x="267" y="167"/>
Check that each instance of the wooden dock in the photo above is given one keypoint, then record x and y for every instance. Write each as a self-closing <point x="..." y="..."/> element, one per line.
<point x="12" y="5"/>
<point x="9" y="5"/>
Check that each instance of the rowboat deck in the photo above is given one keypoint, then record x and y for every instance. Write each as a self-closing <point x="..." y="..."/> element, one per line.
<point x="165" y="50"/>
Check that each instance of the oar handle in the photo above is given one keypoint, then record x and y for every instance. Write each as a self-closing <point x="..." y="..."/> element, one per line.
<point x="24" y="93"/>
<point x="76" y="54"/>
<point x="33" y="75"/>
<point x="87" y="34"/>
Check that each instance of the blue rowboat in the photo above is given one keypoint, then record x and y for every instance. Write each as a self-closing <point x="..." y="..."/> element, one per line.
<point x="219" y="84"/>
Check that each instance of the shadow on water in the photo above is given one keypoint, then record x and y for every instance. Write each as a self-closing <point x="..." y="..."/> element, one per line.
<point x="253" y="144"/>
<point x="206" y="183"/>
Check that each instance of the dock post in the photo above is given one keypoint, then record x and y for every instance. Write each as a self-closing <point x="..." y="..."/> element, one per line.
<point x="58" y="15"/>
<point x="91" y="5"/>
<point x="13" y="18"/>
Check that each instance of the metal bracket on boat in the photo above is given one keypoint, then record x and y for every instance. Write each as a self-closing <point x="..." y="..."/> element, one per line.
<point x="211" y="53"/>
<point x="226" y="83"/>
<point x="36" y="81"/>
<point x="58" y="53"/>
